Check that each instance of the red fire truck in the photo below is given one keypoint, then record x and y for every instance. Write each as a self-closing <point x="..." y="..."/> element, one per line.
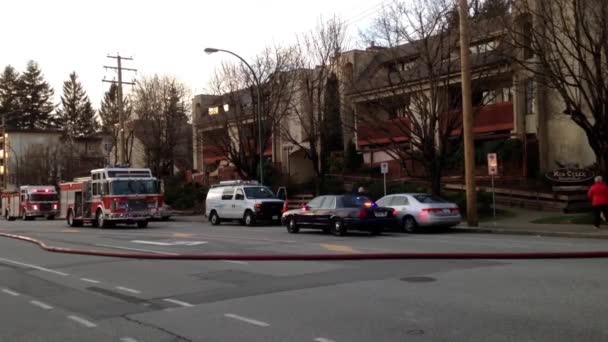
<point x="110" y="196"/>
<point x="31" y="201"/>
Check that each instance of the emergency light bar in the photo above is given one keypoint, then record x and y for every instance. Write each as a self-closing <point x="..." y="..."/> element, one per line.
<point x="235" y="182"/>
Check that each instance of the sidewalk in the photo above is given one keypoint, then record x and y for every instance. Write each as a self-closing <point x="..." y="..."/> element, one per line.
<point x="520" y="225"/>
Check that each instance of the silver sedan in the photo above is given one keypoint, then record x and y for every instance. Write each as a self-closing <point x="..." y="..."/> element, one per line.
<point x="414" y="211"/>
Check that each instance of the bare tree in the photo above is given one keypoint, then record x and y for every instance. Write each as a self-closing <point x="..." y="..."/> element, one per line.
<point x="38" y="165"/>
<point x="315" y="110"/>
<point x="162" y="121"/>
<point x="234" y="117"/>
<point x="411" y="91"/>
<point x="563" y="45"/>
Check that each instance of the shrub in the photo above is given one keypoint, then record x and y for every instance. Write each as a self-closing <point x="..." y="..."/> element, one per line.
<point x="184" y="196"/>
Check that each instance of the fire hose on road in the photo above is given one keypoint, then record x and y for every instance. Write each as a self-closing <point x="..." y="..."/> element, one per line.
<point x="311" y="257"/>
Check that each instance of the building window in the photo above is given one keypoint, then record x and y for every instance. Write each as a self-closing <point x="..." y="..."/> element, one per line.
<point x="483" y="47"/>
<point x="214" y="110"/>
<point x="500" y="95"/>
<point x="529" y="97"/>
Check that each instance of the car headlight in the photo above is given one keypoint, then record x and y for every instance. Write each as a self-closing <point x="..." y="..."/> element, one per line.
<point x="55" y="207"/>
<point x="35" y="207"/>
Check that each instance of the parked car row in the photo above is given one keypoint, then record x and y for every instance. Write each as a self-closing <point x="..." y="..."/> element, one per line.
<point x="249" y="203"/>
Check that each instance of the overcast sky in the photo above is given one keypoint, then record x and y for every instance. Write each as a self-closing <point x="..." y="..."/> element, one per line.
<point x="165" y="37"/>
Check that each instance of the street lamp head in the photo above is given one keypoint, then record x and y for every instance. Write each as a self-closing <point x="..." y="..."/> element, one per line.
<point x="211" y="50"/>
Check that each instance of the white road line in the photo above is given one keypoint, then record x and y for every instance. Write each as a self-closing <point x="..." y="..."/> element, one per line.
<point x="136" y="249"/>
<point x="236" y="262"/>
<point x="83" y="321"/>
<point x="39" y="268"/>
<point x="323" y="339"/>
<point x="122" y="288"/>
<point x="178" y="302"/>
<point x="12" y="293"/>
<point x="41" y="304"/>
<point x="90" y="280"/>
<point x="247" y="320"/>
<point x="128" y="339"/>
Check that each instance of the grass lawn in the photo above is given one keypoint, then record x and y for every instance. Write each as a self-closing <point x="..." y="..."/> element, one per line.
<point x="486" y="215"/>
<point x="567" y="219"/>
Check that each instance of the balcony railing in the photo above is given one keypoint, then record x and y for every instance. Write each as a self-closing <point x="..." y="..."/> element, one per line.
<point x="488" y="118"/>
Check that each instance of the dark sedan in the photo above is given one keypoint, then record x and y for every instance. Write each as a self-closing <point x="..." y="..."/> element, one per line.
<point x="339" y="213"/>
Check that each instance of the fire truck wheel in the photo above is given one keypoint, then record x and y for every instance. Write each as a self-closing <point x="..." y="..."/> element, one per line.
<point x="142" y="224"/>
<point x="71" y="221"/>
<point x="99" y="221"/>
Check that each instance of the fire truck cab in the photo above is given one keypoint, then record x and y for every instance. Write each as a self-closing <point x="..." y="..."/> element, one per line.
<point x="31" y="201"/>
<point x="111" y="196"/>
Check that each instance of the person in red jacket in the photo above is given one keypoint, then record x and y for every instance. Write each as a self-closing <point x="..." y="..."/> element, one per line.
<point x="598" y="195"/>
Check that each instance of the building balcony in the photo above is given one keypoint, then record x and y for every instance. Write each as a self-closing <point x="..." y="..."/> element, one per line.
<point x="492" y="118"/>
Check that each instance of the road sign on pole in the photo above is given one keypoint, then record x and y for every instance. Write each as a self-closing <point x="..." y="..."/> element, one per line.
<point x="384" y="171"/>
<point x="493" y="171"/>
<point x="492" y="164"/>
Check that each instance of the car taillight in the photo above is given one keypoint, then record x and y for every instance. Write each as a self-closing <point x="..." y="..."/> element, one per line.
<point x="455" y="210"/>
<point x="362" y="213"/>
<point x="285" y="207"/>
<point x="258" y="207"/>
<point x="394" y="212"/>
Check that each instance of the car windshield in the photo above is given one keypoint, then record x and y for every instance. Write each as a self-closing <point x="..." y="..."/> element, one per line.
<point x="134" y="187"/>
<point x="43" y="197"/>
<point x="427" y="198"/>
<point x="354" y="201"/>
<point x="258" y="192"/>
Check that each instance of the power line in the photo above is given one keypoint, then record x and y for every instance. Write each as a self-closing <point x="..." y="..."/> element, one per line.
<point x="365" y="13"/>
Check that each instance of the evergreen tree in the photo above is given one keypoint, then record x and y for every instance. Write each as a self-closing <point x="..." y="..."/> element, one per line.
<point x="9" y="95"/>
<point x="35" y="98"/>
<point x="76" y="116"/>
<point x="109" y="114"/>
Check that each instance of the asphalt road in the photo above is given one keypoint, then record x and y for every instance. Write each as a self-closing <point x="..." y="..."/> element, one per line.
<point x="60" y="297"/>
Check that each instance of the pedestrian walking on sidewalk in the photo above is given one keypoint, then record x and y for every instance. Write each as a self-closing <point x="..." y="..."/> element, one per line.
<point x="598" y="195"/>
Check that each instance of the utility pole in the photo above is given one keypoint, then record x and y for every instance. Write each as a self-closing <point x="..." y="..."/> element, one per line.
<point x="121" y="149"/>
<point x="467" y="114"/>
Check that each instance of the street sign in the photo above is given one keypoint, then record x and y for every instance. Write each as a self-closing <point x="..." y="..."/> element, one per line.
<point x="384" y="168"/>
<point x="384" y="171"/>
<point x="492" y="164"/>
<point x="493" y="171"/>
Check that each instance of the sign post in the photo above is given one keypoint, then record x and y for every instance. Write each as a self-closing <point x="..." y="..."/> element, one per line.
<point x="493" y="171"/>
<point x="384" y="171"/>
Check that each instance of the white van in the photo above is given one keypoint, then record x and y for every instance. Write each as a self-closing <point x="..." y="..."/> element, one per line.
<point x="246" y="201"/>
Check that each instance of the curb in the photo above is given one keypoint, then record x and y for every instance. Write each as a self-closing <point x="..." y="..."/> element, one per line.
<point x="507" y="231"/>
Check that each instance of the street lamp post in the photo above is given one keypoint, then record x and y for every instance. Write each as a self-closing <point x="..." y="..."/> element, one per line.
<point x="258" y="109"/>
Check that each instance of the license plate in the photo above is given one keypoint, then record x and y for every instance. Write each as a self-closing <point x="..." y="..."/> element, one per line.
<point x="446" y="211"/>
<point x="380" y="214"/>
<point x="275" y="217"/>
